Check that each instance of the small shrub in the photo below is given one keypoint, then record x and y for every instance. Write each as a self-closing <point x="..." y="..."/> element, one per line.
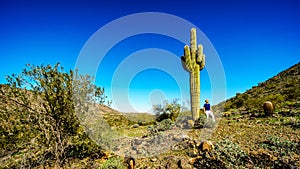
<point x="225" y="155"/>
<point x="280" y="145"/>
<point x="204" y="122"/>
<point x="231" y="153"/>
<point x="167" y="110"/>
<point x="113" y="163"/>
<point x="276" y="152"/>
<point x="164" y="125"/>
<point x="200" y="123"/>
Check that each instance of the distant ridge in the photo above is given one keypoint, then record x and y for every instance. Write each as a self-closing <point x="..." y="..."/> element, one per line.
<point x="106" y="109"/>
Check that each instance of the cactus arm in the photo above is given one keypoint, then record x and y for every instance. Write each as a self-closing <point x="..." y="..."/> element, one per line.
<point x="201" y="57"/>
<point x="202" y="62"/>
<point x="199" y="54"/>
<point x="187" y="56"/>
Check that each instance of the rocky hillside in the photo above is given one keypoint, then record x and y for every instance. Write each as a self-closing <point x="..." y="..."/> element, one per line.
<point x="283" y="90"/>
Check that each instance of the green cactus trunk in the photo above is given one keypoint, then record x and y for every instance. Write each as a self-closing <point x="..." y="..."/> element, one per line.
<point x="195" y="93"/>
<point x="193" y="61"/>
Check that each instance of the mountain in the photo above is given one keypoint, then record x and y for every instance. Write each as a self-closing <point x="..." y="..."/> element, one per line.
<point x="283" y="90"/>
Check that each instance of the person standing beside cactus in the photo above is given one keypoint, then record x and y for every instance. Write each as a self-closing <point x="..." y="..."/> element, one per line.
<point x="208" y="111"/>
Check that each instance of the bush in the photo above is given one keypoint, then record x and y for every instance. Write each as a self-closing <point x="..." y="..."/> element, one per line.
<point x="225" y="155"/>
<point x="38" y="123"/>
<point x="168" y="110"/>
<point x="164" y="125"/>
<point x="282" y="146"/>
<point x="276" y="152"/>
<point x="200" y="123"/>
<point x="113" y="163"/>
<point x="232" y="154"/>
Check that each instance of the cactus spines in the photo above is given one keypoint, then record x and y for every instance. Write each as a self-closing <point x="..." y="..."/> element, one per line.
<point x="193" y="61"/>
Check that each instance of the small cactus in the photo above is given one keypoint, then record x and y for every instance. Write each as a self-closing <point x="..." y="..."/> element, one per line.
<point x="193" y="61"/>
<point x="268" y="108"/>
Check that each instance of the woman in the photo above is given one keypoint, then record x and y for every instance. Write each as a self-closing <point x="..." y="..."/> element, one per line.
<point x="207" y="110"/>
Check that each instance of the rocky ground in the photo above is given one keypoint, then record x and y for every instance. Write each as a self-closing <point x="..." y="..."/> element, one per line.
<point x="236" y="141"/>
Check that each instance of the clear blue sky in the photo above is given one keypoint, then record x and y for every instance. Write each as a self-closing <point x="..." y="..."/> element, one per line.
<point x="254" y="39"/>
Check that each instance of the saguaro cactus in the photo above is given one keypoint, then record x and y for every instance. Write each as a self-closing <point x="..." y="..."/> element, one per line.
<point x="193" y="61"/>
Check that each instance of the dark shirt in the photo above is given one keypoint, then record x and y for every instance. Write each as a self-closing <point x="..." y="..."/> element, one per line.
<point x="207" y="106"/>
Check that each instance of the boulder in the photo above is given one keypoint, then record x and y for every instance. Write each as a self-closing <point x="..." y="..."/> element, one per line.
<point x="207" y="146"/>
<point x="190" y="123"/>
<point x="192" y="161"/>
<point x="184" y="164"/>
<point x="130" y="162"/>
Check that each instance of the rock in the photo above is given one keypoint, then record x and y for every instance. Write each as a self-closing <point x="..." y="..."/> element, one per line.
<point x="190" y="123"/>
<point x="243" y="112"/>
<point x="133" y="152"/>
<point x="171" y="165"/>
<point x="273" y="158"/>
<point x="131" y="164"/>
<point x="207" y="155"/>
<point x="137" y="141"/>
<point x="135" y="126"/>
<point x="207" y="146"/>
<point x="192" y="143"/>
<point x="129" y="161"/>
<point x="197" y="143"/>
<point x="171" y="162"/>
<point x="192" y="161"/>
<point x="141" y="151"/>
<point x="177" y="138"/>
<point x="192" y="153"/>
<point x="153" y="159"/>
<point x="184" y="164"/>
<point x="185" y="137"/>
<point x="176" y="147"/>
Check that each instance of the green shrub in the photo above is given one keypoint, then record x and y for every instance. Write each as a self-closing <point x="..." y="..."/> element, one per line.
<point x="113" y="163"/>
<point x="204" y="122"/>
<point x="167" y="110"/>
<point x="232" y="154"/>
<point x="225" y="155"/>
<point x="160" y="126"/>
<point x="276" y="152"/>
<point x="38" y="123"/>
<point x="282" y="146"/>
<point x="200" y="123"/>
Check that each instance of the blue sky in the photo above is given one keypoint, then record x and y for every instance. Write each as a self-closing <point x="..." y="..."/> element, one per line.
<point x="254" y="40"/>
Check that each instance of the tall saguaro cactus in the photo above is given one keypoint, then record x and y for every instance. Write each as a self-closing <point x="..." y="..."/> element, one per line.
<point x="193" y="61"/>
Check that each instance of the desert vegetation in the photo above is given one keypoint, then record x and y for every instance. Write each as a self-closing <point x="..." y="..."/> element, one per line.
<point x="40" y="128"/>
